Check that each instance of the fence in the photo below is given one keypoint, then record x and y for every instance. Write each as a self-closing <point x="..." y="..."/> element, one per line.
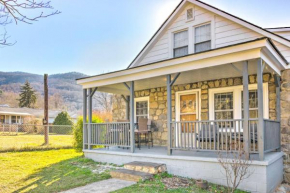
<point x="27" y="136"/>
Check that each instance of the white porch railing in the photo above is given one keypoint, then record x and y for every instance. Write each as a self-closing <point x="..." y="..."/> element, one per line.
<point x="107" y="134"/>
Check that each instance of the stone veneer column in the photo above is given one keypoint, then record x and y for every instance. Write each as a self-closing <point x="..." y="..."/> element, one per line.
<point x="285" y="122"/>
<point x="285" y="110"/>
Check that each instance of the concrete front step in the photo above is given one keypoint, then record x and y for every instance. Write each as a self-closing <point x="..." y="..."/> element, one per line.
<point x="147" y="167"/>
<point x="130" y="175"/>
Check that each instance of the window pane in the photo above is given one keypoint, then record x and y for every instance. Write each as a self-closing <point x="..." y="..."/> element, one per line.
<point x="223" y="101"/>
<point x="180" y="51"/>
<point x="253" y="99"/>
<point x="202" y="33"/>
<point x="200" y="47"/>
<point x="13" y="119"/>
<point x="253" y="104"/>
<point x="141" y="109"/>
<point x="180" y="39"/>
<point x="224" y="115"/>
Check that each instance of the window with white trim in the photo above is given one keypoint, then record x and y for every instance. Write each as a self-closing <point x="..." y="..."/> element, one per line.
<point x="180" y="44"/>
<point x="202" y="38"/>
<point x="227" y="102"/>
<point x="189" y="14"/>
<point x="141" y="108"/>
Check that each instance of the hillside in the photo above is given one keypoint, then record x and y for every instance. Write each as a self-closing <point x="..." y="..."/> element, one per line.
<point x="62" y="84"/>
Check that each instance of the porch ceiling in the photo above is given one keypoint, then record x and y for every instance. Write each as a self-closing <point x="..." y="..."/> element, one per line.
<point x="204" y="74"/>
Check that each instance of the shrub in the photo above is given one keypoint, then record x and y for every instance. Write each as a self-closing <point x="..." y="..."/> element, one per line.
<point x="62" y="118"/>
<point x="78" y="131"/>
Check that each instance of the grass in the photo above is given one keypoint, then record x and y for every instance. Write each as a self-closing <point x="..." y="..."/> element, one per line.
<point x="156" y="185"/>
<point x="45" y="171"/>
<point x="24" y="142"/>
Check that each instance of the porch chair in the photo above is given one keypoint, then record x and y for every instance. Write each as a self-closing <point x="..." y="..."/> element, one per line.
<point x="144" y="128"/>
<point x="207" y="133"/>
<point x="253" y="137"/>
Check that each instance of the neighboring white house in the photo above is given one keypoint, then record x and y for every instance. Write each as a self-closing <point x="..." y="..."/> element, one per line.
<point x="11" y="115"/>
<point x="209" y="82"/>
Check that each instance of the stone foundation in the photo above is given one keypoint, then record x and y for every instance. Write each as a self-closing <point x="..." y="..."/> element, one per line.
<point x="158" y="102"/>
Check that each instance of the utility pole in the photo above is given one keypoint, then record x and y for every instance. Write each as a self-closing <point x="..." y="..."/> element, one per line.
<point x="45" y="118"/>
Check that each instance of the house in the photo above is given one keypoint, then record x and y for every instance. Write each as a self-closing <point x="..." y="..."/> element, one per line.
<point x="229" y="84"/>
<point x="9" y="115"/>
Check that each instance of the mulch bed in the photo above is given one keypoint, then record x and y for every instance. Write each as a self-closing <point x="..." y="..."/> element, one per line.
<point x="176" y="182"/>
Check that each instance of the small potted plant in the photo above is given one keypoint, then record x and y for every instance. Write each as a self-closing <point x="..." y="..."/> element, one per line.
<point x="201" y="183"/>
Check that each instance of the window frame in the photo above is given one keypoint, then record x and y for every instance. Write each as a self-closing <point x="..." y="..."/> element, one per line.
<point x="211" y="36"/>
<point x="140" y="99"/>
<point x="237" y="99"/>
<point x="188" y="39"/>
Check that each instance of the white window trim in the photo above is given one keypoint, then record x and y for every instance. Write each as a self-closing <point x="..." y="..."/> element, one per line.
<point x="137" y="100"/>
<point x="177" y="102"/>
<point x="237" y="99"/>
<point x="190" y="27"/>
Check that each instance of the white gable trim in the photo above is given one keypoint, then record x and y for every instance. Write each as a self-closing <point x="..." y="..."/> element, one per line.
<point x="242" y="22"/>
<point x="157" y="35"/>
<point x="180" y="7"/>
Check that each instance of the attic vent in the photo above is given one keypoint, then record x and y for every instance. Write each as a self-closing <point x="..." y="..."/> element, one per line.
<point x="189" y="14"/>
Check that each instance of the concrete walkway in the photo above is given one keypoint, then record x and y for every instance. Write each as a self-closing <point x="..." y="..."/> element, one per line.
<point x="102" y="186"/>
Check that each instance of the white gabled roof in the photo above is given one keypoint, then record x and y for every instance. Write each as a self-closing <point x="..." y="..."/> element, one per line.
<point x="265" y="32"/>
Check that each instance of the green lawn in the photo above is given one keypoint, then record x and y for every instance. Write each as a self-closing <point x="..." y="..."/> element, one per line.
<point x="29" y="142"/>
<point x="45" y="171"/>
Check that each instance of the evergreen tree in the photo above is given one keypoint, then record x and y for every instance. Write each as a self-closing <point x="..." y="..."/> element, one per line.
<point x="27" y="96"/>
<point x="62" y="118"/>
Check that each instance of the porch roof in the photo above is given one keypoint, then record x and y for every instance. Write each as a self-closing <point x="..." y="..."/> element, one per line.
<point x="213" y="64"/>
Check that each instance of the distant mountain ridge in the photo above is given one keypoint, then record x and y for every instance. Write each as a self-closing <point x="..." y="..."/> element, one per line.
<point x="64" y="84"/>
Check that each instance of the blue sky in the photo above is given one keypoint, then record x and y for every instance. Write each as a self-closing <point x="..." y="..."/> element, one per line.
<point x="97" y="36"/>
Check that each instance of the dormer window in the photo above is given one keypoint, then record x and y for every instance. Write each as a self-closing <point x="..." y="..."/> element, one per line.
<point x="180" y="44"/>
<point x="202" y="38"/>
<point x="189" y="14"/>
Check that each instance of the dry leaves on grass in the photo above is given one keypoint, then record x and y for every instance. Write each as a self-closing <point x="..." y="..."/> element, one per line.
<point x="176" y="182"/>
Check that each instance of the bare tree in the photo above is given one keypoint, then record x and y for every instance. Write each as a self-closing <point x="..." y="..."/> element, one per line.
<point x="20" y="11"/>
<point x="104" y="101"/>
<point x="236" y="168"/>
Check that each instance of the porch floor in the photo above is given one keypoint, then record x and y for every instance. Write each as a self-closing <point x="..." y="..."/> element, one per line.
<point x="161" y="151"/>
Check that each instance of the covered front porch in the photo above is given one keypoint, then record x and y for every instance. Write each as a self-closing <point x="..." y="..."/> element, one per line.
<point x="232" y="126"/>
